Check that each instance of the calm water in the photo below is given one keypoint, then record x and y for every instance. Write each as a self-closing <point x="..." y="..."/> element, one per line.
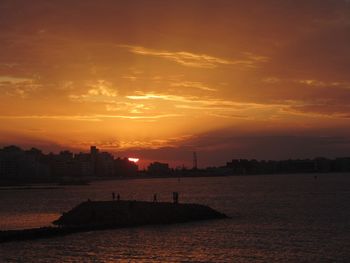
<point x="287" y="218"/>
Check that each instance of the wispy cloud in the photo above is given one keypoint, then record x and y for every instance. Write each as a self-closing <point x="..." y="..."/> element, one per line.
<point x="200" y="102"/>
<point x="223" y="108"/>
<point x="53" y="117"/>
<point x="271" y="80"/>
<point x="321" y="84"/>
<point x="99" y="91"/>
<point x="96" y="117"/>
<point x="154" y="143"/>
<point x="192" y="84"/>
<point x="307" y="82"/>
<point x="17" y="86"/>
<point x="135" y="117"/>
<point x="137" y="144"/>
<point x="190" y="59"/>
<point x="318" y="108"/>
<point x="13" y="80"/>
<point x="134" y="108"/>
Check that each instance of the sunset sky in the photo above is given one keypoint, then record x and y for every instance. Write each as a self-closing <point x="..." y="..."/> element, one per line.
<point x="159" y="79"/>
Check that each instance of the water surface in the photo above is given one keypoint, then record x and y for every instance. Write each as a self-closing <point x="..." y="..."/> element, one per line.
<point x="277" y="218"/>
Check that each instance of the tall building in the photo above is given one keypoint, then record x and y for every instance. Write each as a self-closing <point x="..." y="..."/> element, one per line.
<point x="94" y="156"/>
<point x="105" y="164"/>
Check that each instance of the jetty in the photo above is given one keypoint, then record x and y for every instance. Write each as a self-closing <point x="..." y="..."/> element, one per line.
<point x="102" y="215"/>
<point x="134" y="213"/>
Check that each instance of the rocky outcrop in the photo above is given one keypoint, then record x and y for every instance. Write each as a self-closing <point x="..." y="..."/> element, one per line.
<point x="134" y="213"/>
<point x="99" y="215"/>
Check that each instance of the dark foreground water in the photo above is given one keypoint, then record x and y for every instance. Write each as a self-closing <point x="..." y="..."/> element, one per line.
<point x="285" y="218"/>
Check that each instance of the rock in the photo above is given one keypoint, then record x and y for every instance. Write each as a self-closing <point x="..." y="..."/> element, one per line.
<point x="134" y="213"/>
<point x="99" y="215"/>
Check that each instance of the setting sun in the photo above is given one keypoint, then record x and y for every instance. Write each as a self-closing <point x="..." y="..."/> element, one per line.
<point x="135" y="160"/>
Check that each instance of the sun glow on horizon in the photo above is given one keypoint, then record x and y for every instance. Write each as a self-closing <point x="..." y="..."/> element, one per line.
<point x="135" y="160"/>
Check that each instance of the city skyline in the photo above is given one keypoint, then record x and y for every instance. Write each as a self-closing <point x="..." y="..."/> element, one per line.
<point x="158" y="80"/>
<point x="14" y="159"/>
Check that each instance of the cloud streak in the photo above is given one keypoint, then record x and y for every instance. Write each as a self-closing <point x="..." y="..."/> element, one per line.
<point x="190" y="59"/>
<point x="99" y="91"/>
<point x="193" y="85"/>
<point x="18" y="86"/>
<point x="201" y="102"/>
<point x="96" y="117"/>
<point x="136" y="144"/>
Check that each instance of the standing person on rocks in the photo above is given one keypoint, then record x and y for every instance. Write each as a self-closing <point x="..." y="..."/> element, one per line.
<point x="175" y="197"/>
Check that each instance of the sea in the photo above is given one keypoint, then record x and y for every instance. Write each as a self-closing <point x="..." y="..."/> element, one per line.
<point x="273" y="218"/>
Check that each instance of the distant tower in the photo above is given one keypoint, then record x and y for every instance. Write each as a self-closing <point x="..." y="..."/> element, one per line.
<point x="194" y="160"/>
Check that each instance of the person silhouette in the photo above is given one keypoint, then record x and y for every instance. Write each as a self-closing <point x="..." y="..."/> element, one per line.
<point x="175" y="197"/>
<point x="155" y="198"/>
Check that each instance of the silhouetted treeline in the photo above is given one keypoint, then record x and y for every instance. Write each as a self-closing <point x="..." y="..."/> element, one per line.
<point x="33" y="165"/>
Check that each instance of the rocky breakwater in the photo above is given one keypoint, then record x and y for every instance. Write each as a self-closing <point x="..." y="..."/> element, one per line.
<point x="99" y="215"/>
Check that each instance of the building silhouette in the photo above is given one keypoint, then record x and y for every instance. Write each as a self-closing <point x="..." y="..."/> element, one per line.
<point x="17" y="165"/>
<point x="32" y="165"/>
<point x="158" y="169"/>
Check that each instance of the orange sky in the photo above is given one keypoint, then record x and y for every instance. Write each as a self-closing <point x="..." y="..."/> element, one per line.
<point x="160" y="79"/>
